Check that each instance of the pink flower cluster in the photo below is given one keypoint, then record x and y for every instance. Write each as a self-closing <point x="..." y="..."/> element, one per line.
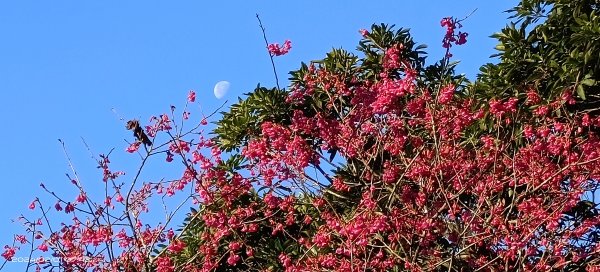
<point x="276" y="50"/>
<point x="451" y="24"/>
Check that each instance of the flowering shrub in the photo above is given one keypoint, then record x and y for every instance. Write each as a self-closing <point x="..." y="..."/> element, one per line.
<point x="369" y="162"/>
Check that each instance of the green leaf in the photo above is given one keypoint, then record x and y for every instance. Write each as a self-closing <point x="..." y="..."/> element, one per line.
<point x="588" y="82"/>
<point x="580" y="91"/>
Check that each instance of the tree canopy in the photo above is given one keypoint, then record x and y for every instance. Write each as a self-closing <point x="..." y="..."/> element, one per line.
<point x="372" y="160"/>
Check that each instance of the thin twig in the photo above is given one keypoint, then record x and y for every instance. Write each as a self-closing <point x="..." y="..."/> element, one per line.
<point x="466" y="17"/>
<point x="270" y="55"/>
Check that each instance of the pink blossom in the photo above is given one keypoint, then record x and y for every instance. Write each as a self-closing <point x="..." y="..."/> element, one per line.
<point x="450" y="37"/>
<point x="108" y="201"/>
<point x="364" y="32"/>
<point x="233" y="259"/>
<point x="276" y="50"/>
<point x="176" y="246"/>
<point x="9" y="252"/>
<point x="43" y="247"/>
<point x="235" y="246"/>
<point x="446" y="94"/>
<point x="21" y="239"/>
<point x="164" y="264"/>
<point x="249" y="251"/>
<point x="119" y="198"/>
<point x="462" y="38"/>
<point x="179" y="146"/>
<point x="134" y="147"/>
<point x="285" y="260"/>
<point x="81" y="197"/>
<point x="69" y="208"/>
<point x="170" y="234"/>
<point x="192" y="96"/>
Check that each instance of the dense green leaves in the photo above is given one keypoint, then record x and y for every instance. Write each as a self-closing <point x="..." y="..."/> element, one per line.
<point x="245" y="117"/>
<point x="553" y="48"/>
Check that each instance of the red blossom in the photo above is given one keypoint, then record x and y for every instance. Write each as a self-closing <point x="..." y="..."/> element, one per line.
<point x="164" y="264"/>
<point x="363" y="32"/>
<point x="233" y="259"/>
<point x="119" y="198"/>
<point x="276" y="50"/>
<point x="179" y="146"/>
<point x="446" y="94"/>
<point x="21" y="239"/>
<point x="451" y="24"/>
<point x="235" y="246"/>
<point x="192" y="96"/>
<point x="176" y="246"/>
<point x="134" y="147"/>
<point x="81" y="197"/>
<point x="249" y="251"/>
<point x="9" y="252"/>
<point x="69" y="208"/>
<point x="43" y="247"/>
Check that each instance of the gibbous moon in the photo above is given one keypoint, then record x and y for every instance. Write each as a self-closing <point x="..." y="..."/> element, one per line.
<point x="221" y="89"/>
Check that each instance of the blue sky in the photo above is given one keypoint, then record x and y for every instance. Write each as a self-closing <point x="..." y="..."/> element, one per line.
<point x="65" y="64"/>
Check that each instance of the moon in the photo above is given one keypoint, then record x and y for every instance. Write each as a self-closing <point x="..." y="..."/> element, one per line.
<point x="221" y="89"/>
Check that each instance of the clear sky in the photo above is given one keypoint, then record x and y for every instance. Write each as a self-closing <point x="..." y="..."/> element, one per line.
<point x="65" y="64"/>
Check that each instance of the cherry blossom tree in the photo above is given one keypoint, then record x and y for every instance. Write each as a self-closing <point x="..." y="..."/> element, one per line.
<point x="369" y="161"/>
